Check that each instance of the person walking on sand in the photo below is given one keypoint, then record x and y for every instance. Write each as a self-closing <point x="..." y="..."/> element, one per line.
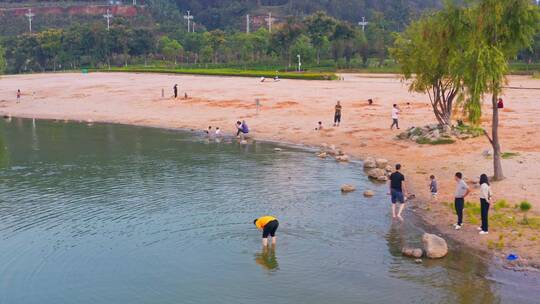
<point x="337" y="115"/>
<point x="485" y="201"/>
<point x="268" y="225"/>
<point x="18" y="96"/>
<point x="397" y="191"/>
<point x="175" y="91"/>
<point x="462" y="190"/>
<point x="395" y="117"/>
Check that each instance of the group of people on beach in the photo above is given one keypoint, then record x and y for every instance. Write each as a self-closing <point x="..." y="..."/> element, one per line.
<point x="399" y="195"/>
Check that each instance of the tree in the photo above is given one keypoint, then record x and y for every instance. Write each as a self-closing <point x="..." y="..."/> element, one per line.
<point x="284" y="37"/>
<point x="319" y="27"/>
<point x="498" y="29"/>
<point x="303" y="47"/>
<point x="170" y="48"/>
<point x="424" y="52"/>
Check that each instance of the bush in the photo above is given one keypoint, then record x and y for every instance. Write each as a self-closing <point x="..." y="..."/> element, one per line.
<point x="525" y="206"/>
<point x="507" y="155"/>
<point x="501" y="204"/>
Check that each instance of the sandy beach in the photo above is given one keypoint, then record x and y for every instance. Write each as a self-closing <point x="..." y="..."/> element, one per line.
<point x="289" y="112"/>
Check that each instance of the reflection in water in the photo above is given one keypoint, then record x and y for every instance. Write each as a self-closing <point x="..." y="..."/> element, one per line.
<point x="267" y="258"/>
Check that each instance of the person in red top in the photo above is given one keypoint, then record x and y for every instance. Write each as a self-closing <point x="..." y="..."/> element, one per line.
<point x="500" y="104"/>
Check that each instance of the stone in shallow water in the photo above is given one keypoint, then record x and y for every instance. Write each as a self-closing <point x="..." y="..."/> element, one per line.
<point x="434" y="246"/>
<point x="347" y="188"/>
<point x="369" y="193"/>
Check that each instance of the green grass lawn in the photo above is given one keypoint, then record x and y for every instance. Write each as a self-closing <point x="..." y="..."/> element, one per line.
<point x="226" y="72"/>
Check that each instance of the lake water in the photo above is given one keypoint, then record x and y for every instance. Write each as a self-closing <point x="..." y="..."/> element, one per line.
<point x="121" y="214"/>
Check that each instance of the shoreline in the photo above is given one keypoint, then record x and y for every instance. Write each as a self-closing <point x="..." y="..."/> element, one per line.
<point x="413" y="209"/>
<point x="130" y="99"/>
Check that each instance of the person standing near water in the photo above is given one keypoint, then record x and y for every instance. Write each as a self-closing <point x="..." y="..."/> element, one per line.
<point x="175" y="91"/>
<point x="269" y="225"/>
<point x="485" y="200"/>
<point x="395" y="117"/>
<point x="337" y="114"/>
<point x="462" y="190"/>
<point x="18" y="96"/>
<point x="397" y="190"/>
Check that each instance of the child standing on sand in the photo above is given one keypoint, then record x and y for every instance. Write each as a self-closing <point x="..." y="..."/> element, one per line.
<point x="433" y="188"/>
<point x="18" y="96"/>
<point x="337" y="115"/>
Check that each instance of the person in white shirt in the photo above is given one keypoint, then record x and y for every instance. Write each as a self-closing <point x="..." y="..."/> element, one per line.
<point x="218" y="132"/>
<point x="395" y="117"/>
<point x="485" y="200"/>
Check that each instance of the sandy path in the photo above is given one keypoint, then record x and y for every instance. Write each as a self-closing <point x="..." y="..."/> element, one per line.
<point x="290" y="110"/>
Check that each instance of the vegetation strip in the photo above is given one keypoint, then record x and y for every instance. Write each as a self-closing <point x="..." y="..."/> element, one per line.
<point x="226" y="72"/>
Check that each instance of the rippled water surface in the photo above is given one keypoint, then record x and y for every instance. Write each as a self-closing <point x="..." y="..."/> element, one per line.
<point x="119" y="214"/>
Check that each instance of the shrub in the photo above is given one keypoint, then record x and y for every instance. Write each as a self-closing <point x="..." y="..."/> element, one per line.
<point x="525" y="206"/>
<point x="501" y="204"/>
<point x="507" y="155"/>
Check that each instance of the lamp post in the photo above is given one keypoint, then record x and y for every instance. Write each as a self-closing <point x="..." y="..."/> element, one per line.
<point x="299" y="63"/>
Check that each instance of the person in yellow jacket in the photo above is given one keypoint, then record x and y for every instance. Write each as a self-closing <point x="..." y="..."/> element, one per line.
<point x="269" y="225"/>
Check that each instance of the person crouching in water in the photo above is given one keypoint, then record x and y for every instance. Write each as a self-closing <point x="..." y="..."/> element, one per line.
<point x="268" y="225"/>
<point x="242" y="129"/>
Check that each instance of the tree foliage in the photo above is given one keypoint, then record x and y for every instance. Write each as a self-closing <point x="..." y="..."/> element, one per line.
<point x="425" y="52"/>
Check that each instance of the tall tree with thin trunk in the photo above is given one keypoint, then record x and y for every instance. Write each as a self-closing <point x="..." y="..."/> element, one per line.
<point x="498" y="29"/>
<point x="424" y="52"/>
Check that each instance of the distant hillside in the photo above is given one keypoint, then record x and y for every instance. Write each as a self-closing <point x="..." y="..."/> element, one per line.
<point x="209" y="14"/>
<point x="231" y="13"/>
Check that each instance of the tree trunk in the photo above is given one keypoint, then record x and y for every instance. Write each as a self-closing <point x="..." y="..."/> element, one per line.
<point x="318" y="56"/>
<point x="497" y="164"/>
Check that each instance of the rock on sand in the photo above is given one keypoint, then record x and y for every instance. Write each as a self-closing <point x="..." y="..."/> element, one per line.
<point x="347" y="188"/>
<point x="434" y="246"/>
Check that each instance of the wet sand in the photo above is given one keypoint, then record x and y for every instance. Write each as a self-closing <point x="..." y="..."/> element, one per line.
<point x="289" y="112"/>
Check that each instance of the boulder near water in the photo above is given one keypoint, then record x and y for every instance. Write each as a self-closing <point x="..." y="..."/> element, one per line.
<point x="342" y="158"/>
<point x="369" y="193"/>
<point x="381" y="163"/>
<point x="378" y="174"/>
<point x="435" y="246"/>
<point x="347" y="188"/>
<point x="369" y="163"/>
<point x="412" y="252"/>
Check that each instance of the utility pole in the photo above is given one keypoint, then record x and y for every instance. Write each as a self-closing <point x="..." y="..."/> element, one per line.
<point x="30" y="15"/>
<point x="188" y="17"/>
<point x="193" y="27"/>
<point x="363" y="24"/>
<point x="270" y="20"/>
<point x="108" y="16"/>
<point x="247" y="24"/>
